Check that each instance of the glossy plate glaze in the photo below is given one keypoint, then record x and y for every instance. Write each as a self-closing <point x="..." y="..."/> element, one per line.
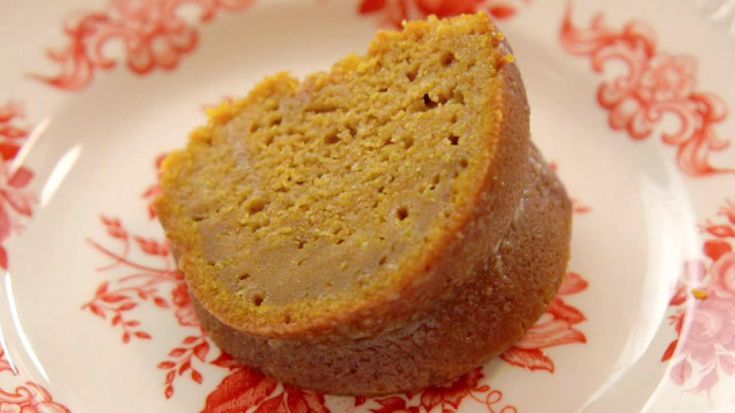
<point x="630" y="100"/>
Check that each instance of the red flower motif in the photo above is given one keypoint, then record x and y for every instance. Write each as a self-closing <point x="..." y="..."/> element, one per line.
<point x="653" y="87"/>
<point x="30" y="398"/>
<point x="451" y="394"/>
<point x="667" y="78"/>
<point x="447" y="398"/>
<point x="394" y="12"/>
<point x="184" y="309"/>
<point x="11" y="135"/>
<point x="246" y="388"/>
<point x="710" y="326"/>
<point x="705" y="319"/>
<point x="16" y="202"/>
<point x="555" y="328"/>
<point x="723" y="275"/>
<point x="152" y="32"/>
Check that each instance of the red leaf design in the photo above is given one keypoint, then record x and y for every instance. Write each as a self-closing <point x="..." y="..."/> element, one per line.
<point x="184" y="367"/>
<point x="19" y="201"/>
<point x="391" y="405"/>
<point x="502" y="12"/>
<point x="721" y="231"/>
<point x="670" y="350"/>
<point x="681" y="372"/>
<point x="177" y="352"/>
<point x="151" y="246"/>
<point x="196" y="376"/>
<point x="225" y="361"/>
<point x="679" y="297"/>
<point x="8" y="151"/>
<point x="191" y="339"/>
<point x="300" y="401"/>
<point x="201" y="350"/>
<point x="371" y="6"/>
<point x="715" y="248"/>
<point x="143" y="335"/>
<point x="113" y="298"/>
<point x="3" y="258"/>
<point x="165" y="365"/>
<point x="241" y="390"/>
<point x="96" y="310"/>
<point x="549" y="334"/>
<point x="160" y="302"/>
<point x="531" y="359"/>
<point x="21" y="178"/>
<point x="102" y="289"/>
<point x="127" y="306"/>
<point x="274" y="405"/>
<point x="561" y="310"/>
<point x="169" y="392"/>
<point x="126" y="337"/>
<point x="573" y="283"/>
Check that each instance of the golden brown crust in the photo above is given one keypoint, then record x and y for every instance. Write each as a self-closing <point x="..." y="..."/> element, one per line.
<point x="465" y="327"/>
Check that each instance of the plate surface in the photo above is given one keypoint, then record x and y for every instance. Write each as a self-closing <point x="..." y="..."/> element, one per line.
<point x="629" y="100"/>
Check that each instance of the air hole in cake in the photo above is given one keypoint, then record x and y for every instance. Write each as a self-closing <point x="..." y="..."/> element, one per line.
<point x="258" y="299"/>
<point x="243" y="276"/>
<point x="448" y="59"/>
<point x="453" y="139"/>
<point x="411" y="75"/>
<point x="463" y="163"/>
<point x="331" y="139"/>
<point x="428" y="103"/>
<point x="402" y="213"/>
<point x="255" y="206"/>
<point x="383" y="260"/>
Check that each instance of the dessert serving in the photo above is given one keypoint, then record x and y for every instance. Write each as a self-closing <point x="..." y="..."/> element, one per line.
<point x="381" y="227"/>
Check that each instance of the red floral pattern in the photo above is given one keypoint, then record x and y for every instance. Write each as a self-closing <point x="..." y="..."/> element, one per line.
<point x="16" y="201"/>
<point x="29" y="398"/>
<point x="655" y="86"/>
<point x="141" y="283"/>
<point x="246" y="388"/>
<point x="153" y="33"/>
<point x="446" y="398"/>
<point x="705" y="310"/>
<point x="394" y="12"/>
<point x="555" y="328"/>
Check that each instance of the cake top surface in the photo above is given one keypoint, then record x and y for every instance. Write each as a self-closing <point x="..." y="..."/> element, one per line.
<point x="315" y="196"/>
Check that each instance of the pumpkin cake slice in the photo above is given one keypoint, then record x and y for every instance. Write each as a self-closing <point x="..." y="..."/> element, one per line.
<point x="333" y="214"/>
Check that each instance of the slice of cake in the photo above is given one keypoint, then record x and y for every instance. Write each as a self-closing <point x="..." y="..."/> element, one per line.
<point x="327" y="228"/>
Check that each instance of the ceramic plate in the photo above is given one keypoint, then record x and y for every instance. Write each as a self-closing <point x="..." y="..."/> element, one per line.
<point x="629" y="100"/>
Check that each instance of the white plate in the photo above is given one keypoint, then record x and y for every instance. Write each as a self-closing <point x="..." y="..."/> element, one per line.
<point x="631" y="105"/>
